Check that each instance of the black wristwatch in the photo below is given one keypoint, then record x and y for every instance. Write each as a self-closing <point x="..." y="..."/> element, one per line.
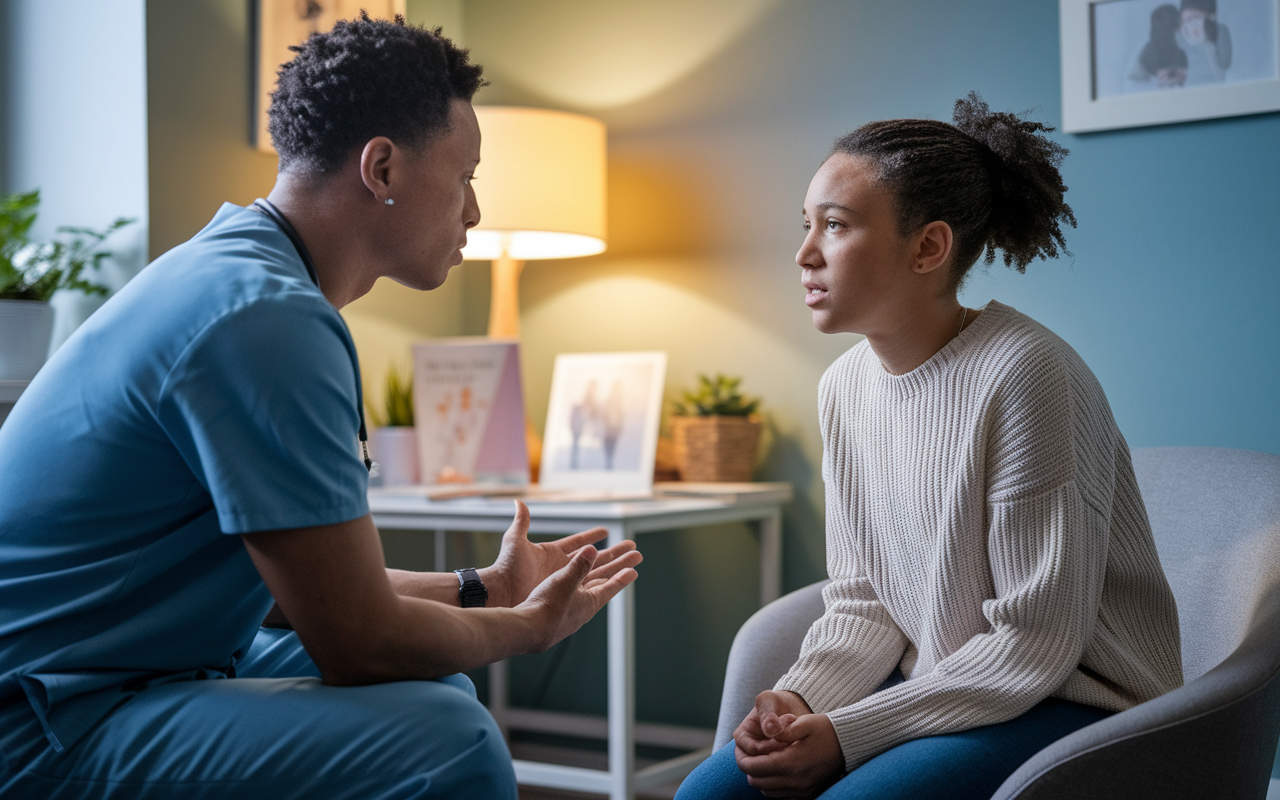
<point x="471" y="591"/>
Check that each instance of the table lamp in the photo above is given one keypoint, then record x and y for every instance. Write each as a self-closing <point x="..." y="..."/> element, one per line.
<point x="541" y="190"/>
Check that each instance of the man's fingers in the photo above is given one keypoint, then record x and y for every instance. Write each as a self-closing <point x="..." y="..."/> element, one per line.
<point x="604" y="592"/>
<point x="607" y="568"/>
<point x="520" y="524"/>
<point x="580" y="564"/>
<point x="610" y="553"/>
<point x="569" y="544"/>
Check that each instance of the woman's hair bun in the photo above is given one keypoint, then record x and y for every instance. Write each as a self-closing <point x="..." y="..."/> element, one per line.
<point x="992" y="177"/>
<point x="1027" y="206"/>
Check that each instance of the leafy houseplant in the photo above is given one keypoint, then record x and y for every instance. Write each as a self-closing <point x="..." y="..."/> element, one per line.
<point x="716" y="431"/>
<point x="35" y="270"/>
<point x="397" y="402"/>
<point x="30" y="273"/>
<point x="395" y="441"/>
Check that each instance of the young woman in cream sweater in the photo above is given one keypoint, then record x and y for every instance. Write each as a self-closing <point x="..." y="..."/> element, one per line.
<point x="995" y="585"/>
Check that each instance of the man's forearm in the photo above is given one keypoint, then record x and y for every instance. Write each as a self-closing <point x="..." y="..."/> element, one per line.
<point x="423" y="638"/>
<point x="442" y="586"/>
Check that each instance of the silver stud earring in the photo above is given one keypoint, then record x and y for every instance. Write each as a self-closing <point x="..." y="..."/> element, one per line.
<point x="390" y="202"/>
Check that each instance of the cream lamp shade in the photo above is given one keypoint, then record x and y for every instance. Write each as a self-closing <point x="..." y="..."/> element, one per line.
<point x="541" y="190"/>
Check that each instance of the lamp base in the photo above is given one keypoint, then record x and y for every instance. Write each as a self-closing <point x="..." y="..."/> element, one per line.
<point x="504" y="323"/>
<point x="504" y="298"/>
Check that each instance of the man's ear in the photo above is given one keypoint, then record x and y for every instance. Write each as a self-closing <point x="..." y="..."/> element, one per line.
<point x="375" y="166"/>
<point x="933" y="247"/>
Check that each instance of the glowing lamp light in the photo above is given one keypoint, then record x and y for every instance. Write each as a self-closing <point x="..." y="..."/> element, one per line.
<point x="541" y="190"/>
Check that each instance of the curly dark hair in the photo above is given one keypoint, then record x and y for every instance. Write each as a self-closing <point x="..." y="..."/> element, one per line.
<point x="992" y="176"/>
<point x="362" y="79"/>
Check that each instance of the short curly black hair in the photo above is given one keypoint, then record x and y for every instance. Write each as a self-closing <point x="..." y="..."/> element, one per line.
<point x="365" y="78"/>
<point x="992" y="176"/>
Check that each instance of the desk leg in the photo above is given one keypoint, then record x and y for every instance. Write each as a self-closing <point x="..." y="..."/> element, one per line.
<point x="771" y="557"/>
<point x="498" y="696"/>
<point x="621" y="687"/>
<point x="440" y="551"/>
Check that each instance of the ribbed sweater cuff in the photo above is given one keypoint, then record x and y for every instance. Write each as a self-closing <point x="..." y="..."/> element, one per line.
<point x="880" y="721"/>
<point x="846" y="671"/>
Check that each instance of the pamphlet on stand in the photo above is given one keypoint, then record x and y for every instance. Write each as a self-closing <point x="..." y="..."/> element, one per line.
<point x="469" y="412"/>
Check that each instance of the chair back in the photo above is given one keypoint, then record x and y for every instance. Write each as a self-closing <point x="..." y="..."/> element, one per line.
<point x="1215" y="513"/>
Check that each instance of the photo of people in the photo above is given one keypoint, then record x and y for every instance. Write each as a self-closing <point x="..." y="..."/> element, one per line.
<point x="602" y="420"/>
<point x="1156" y="45"/>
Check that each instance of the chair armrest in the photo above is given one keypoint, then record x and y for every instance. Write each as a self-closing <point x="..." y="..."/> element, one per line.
<point x="764" y="648"/>
<point x="1213" y="737"/>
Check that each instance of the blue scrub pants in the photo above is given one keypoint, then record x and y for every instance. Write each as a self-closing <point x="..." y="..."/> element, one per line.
<point x="969" y="765"/>
<point x="273" y="732"/>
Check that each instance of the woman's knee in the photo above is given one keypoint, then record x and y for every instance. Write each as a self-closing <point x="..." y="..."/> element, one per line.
<point x="717" y="778"/>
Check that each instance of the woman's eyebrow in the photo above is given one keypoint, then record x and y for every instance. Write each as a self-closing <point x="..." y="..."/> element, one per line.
<point x="829" y="205"/>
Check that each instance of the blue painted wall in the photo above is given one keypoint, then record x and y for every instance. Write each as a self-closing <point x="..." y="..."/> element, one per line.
<point x="1172" y="293"/>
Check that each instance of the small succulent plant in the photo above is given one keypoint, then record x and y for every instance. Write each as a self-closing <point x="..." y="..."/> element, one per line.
<point x="718" y="396"/>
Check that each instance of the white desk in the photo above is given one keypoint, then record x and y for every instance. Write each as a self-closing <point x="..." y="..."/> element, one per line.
<point x="623" y="520"/>
<point x="9" y="393"/>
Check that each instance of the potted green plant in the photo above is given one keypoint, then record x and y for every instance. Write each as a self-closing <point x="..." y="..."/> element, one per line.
<point x="30" y="272"/>
<point x="716" y="432"/>
<point x="395" y="441"/>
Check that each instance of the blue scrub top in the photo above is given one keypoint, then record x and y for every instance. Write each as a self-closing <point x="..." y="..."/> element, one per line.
<point x="216" y="394"/>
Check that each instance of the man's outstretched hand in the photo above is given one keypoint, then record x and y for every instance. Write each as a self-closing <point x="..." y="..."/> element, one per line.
<point x="522" y="564"/>
<point x="569" y="597"/>
<point x="786" y="750"/>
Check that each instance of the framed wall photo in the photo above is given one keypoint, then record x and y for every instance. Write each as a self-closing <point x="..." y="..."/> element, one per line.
<point x="282" y="23"/>
<point x="1127" y="63"/>
<point x="602" y="421"/>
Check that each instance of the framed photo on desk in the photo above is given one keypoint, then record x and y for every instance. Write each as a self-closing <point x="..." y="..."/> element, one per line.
<point x="602" y="421"/>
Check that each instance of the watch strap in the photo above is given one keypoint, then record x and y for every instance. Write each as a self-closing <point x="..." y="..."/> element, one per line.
<point x="471" y="591"/>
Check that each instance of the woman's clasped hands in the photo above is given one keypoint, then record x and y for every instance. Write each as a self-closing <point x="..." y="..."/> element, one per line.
<point x="785" y="749"/>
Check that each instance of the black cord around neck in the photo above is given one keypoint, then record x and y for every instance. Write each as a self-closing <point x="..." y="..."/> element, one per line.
<point x="268" y="209"/>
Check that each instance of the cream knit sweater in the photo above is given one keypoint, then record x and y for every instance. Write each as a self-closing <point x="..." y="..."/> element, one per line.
<point x="986" y="535"/>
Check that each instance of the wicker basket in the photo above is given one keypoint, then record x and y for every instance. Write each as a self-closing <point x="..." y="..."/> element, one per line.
<point x="716" y="449"/>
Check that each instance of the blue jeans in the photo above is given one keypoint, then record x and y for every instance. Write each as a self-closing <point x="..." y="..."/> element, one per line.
<point x="956" y="766"/>
<point x="274" y="732"/>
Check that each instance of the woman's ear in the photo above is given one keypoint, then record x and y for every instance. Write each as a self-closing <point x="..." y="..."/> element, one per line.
<point x="933" y="247"/>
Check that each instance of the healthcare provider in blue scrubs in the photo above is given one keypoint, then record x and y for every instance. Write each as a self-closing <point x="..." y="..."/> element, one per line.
<point x="188" y="460"/>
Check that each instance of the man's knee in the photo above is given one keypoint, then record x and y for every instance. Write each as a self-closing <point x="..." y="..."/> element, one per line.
<point x="465" y="754"/>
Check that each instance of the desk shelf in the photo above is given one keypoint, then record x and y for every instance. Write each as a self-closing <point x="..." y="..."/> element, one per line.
<point x="10" y="390"/>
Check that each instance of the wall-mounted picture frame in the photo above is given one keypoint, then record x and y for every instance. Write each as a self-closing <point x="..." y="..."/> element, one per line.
<point x="283" y="23"/>
<point x="602" y="421"/>
<point x="1129" y="63"/>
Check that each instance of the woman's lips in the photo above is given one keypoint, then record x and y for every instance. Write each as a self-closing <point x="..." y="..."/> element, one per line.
<point x="815" y="294"/>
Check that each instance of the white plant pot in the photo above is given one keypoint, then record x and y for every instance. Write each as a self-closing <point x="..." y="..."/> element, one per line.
<point x="396" y="451"/>
<point x="26" y="328"/>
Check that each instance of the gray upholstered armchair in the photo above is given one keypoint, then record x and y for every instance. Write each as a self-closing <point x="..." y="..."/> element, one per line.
<point x="1216" y="518"/>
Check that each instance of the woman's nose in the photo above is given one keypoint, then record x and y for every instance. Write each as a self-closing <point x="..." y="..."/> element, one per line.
<point x="808" y="255"/>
